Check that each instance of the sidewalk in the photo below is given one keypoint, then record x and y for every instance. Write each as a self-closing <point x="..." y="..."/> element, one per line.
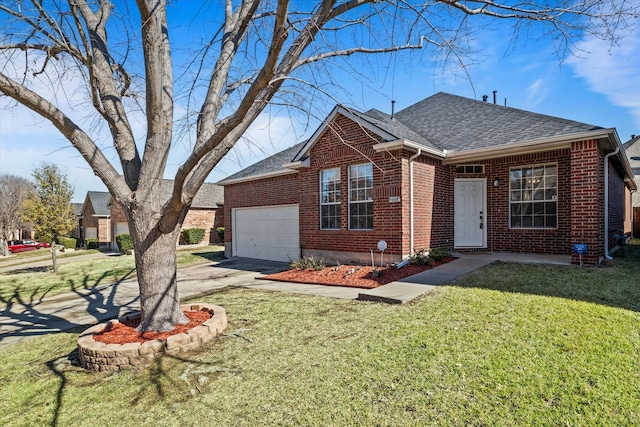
<point x="84" y="307"/>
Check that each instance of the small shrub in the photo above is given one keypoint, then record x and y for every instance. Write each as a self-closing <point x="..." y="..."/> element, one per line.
<point x="67" y="242"/>
<point x="309" y="263"/>
<point x="124" y="242"/>
<point x="220" y="231"/>
<point x="193" y="236"/>
<point x="91" y="243"/>
<point x="438" y="254"/>
<point x="421" y="257"/>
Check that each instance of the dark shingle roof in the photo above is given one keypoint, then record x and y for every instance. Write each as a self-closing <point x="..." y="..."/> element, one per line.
<point x="100" y="202"/>
<point x="446" y="122"/>
<point x="77" y="208"/>
<point x="394" y="127"/>
<point x="632" y="149"/>
<point x="456" y="123"/>
<point x="270" y="164"/>
<point x="208" y="196"/>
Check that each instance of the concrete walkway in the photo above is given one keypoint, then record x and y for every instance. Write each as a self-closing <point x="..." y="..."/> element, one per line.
<point x="21" y="320"/>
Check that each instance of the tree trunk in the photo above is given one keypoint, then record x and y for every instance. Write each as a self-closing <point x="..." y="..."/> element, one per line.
<point x="156" y="270"/>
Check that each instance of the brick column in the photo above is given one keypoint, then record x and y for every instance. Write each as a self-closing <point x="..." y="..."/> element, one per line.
<point x="587" y="200"/>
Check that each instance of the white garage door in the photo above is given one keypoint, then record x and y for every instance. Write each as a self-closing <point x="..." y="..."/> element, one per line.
<point x="91" y="233"/>
<point x="269" y="233"/>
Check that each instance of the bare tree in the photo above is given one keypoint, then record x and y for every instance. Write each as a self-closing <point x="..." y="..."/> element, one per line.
<point x="260" y="53"/>
<point x="14" y="190"/>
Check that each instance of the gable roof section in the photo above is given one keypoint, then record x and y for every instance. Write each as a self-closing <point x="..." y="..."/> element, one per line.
<point x="208" y="196"/>
<point x="99" y="201"/>
<point x="459" y="123"/>
<point x="632" y="149"/>
<point x="271" y="166"/>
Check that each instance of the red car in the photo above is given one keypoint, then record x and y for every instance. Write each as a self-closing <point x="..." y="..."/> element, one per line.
<point x="16" y="246"/>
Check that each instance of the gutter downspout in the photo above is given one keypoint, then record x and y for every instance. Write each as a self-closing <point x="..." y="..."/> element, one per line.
<point x="411" y="215"/>
<point x="606" y="203"/>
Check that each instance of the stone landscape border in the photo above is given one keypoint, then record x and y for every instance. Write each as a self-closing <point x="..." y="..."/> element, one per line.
<point x="98" y="356"/>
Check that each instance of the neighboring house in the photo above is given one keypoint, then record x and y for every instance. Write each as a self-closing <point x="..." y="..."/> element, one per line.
<point x="96" y="218"/>
<point x="632" y="149"/>
<point x="76" y="233"/>
<point x="445" y="172"/>
<point x="206" y="212"/>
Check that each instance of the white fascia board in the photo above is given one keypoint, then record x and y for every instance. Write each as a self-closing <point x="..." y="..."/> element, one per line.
<point x="338" y="109"/>
<point x="400" y="144"/>
<point x="528" y="147"/>
<point x="273" y="174"/>
<point x="299" y="164"/>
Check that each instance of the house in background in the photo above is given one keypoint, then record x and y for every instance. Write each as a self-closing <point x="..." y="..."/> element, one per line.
<point x="96" y="218"/>
<point x="632" y="148"/>
<point x="445" y="172"/>
<point x="76" y="233"/>
<point x="206" y="212"/>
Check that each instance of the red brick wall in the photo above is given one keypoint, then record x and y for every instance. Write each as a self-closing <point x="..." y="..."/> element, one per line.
<point x="207" y="219"/>
<point x="343" y="144"/>
<point x="550" y="241"/>
<point x="281" y="190"/>
<point x="617" y="206"/>
<point x="587" y="199"/>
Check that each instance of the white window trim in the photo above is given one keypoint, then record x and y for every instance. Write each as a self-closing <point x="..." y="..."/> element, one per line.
<point x="358" y="201"/>
<point x="330" y="203"/>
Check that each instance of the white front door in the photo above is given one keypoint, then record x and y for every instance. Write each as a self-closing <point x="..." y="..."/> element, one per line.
<point x="470" y="213"/>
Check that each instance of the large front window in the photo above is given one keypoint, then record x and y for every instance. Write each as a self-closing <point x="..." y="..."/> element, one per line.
<point x="330" y="199"/>
<point x="533" y="196"/>
<point x="361" y="197"/>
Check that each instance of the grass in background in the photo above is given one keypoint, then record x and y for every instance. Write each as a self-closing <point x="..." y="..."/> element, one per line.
<point x="507" y="345"/>
<point x="32" y="284"/>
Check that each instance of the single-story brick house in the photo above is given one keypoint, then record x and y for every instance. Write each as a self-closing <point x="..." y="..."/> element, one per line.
<point x="445" y="172"/>
<point x="632" y="148"/>
<point x="95" y="218"/>
<point x="206" y="212"/>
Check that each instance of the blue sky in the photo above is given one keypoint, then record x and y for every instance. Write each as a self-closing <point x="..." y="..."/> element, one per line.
<point x="600" y="87"/>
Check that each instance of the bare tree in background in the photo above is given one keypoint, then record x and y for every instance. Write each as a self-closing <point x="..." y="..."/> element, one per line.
<point x="14" y="190"/>
<point x="258" y="53"/>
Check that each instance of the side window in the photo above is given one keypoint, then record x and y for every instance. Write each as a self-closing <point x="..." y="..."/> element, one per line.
<point x="330" y="198"/>
<point x="361" y="197"/>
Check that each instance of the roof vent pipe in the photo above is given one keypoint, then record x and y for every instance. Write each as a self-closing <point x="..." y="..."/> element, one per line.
<point x="495" y="96"/>
<point x="393" y="108"/>
<point x="485" y="97"/>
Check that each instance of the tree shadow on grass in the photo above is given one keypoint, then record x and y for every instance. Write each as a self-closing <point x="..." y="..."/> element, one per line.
<point x="616" y="283"/>
<point x="35" y="314"/>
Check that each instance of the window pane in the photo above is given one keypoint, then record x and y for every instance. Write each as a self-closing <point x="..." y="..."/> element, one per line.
<point x="330" y="196"/>
<point x="361" y="197"/>
<point x="551" y="221"/>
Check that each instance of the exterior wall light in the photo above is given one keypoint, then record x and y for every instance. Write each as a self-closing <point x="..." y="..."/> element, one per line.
<point x="496" y="182"/>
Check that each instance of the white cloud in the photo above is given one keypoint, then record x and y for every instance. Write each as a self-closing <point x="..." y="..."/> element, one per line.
<point x="612" y="72"/>
<point x="536" y="92"/>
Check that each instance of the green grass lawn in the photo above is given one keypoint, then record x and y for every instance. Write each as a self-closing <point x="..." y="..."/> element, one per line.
<point x="509" y="345"/>
<point x="31" y="284"/>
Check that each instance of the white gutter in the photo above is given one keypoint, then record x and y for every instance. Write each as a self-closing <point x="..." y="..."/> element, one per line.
<point x="399" y="144"/>
<point x="258" y="176"/>
<point x="411" y="215"/>
<point x="606" y="202"/>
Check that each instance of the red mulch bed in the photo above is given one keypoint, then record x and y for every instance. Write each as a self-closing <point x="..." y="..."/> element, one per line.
<point x="352" y="275"/>
<point x="125" y="332"/>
